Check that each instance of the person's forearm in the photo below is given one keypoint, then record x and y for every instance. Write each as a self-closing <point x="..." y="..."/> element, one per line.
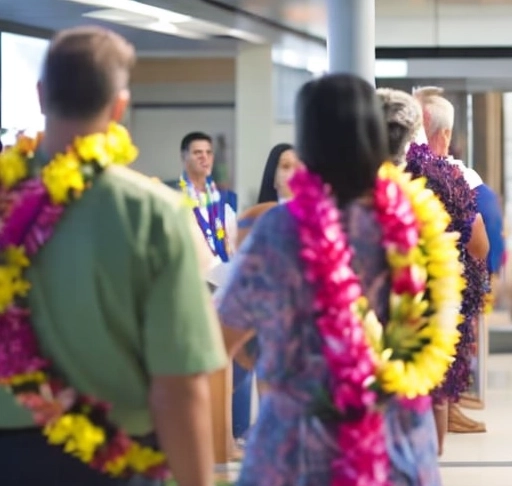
<point x="181" y="412"/>
<point x="478" y="246"/>
<point x="248" y="354"/>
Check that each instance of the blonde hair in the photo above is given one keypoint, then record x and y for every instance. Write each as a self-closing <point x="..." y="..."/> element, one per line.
<point x="438" y="111"/>
<point x="403" y="116"/>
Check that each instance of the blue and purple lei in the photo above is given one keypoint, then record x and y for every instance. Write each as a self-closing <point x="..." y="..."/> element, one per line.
<point x="447" y="182"/>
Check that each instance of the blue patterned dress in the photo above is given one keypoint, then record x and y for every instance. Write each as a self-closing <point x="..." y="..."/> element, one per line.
<point x="266" y="291"/>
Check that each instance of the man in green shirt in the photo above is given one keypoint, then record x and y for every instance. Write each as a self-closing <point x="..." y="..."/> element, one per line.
<point x="117" y="300"/>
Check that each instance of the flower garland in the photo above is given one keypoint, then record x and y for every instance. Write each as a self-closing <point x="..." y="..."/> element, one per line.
<point x="214" y="229"/>
<point x="447" y="182"/>
<point x="31" y="205"/>
<point x="367" y="361"/>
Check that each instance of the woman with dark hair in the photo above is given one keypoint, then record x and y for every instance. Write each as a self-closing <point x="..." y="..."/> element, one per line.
<point x="313" y="282"/>
<point x="281" y="164"/>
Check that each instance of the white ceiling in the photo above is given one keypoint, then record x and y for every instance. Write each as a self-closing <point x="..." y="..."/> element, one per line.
<point x="297" y="25"/>
<point x="310" y="15"/>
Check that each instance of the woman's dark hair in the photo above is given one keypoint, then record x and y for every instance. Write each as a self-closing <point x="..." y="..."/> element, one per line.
<point x="341" y="133"/>
<point x="268" y="191"/>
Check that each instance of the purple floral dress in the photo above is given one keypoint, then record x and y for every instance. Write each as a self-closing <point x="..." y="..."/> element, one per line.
<point x="266" y="291"/>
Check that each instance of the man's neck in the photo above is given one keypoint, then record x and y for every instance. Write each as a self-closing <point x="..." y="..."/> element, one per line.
<point x="439" y="151"/>
<point x="60" y="134"/>
<point x="199" y="183"/>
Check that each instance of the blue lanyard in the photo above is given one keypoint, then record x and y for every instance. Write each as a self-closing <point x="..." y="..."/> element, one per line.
<point x="216" y="218"/>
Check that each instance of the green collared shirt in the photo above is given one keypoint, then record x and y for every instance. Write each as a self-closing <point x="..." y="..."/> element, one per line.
<point x="117" y="297"/>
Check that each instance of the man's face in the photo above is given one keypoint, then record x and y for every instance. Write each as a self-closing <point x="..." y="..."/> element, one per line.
<point x="198" y="159"/>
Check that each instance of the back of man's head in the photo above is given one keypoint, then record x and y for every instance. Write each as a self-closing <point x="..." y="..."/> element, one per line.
<point x="438" y="112"/>
<point x="84" y="69"/>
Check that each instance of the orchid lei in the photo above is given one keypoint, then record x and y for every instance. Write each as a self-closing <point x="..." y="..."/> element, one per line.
<point x="366" y="360"/>
<point x="31" y="205"/>
<point x="448" y="184"/>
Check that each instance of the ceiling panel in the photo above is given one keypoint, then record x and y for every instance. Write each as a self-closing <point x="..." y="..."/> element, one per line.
<point x="59" y="14"/>
<point x="399" y="23"/>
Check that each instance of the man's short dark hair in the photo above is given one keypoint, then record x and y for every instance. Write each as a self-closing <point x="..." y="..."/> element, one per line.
<point x="193" y="137"/>
<point x="84" y="69"/>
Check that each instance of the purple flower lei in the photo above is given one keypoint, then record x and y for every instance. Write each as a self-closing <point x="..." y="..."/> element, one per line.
<point x="447" y="182"/>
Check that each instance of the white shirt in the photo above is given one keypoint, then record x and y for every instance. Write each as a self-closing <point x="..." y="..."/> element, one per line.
<point x="470" y="175"/>
<point x="212" y="265"/>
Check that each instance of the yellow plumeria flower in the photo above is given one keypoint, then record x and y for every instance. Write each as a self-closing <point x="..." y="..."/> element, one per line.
<point x="120" y="146"/>
<point x="6" y="289"/>
<point x="12" y="285"/>
<point x="373" y="328"/>
<point x="13" y="168"/>
<point x="117" y="466"/>
<point x="93" y="148"/>
<point x="77" y="435"/>
<point x="142" y="458"/>
<point x="62" y="177"/>
<point x="36" y="377"/>
<point x="16" y="256"/>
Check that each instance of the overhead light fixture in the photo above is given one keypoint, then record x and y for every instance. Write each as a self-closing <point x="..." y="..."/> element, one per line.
<point x="287" y="57"/>
<point x="317" y="65"/>
<point x="391" y="68"/>
<point x="384" y="68"/>
<point x="160" y="14"/>
<point x="140" y="15"/>
<point x="171" y="29"/>
<point x="246" y="36"/>
<point x="118" y="16"/>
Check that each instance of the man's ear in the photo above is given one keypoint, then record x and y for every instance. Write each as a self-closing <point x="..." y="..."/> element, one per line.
<point x="120" y="105"/>
<point x="447" y="135"/>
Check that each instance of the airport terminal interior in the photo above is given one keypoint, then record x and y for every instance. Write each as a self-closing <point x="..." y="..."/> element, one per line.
<point x="232" y="69"/>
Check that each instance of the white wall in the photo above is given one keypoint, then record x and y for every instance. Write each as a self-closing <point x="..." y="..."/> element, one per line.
<point x="402" y="23"/>
<point x="178" y="108"/>
<point x="283" y="133"/>
<point x="22" y="59"/>
<point x="158" y="131"/>
<point x="183" y="93"/>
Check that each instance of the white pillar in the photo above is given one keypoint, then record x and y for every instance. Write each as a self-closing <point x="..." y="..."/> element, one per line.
<point x="254" y="119"/>
<point x="351" y="37"/>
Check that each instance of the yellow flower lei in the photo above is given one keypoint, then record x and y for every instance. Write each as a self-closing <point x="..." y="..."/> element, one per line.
<point x="417" y="347"/>
<point x="66" y="177"/>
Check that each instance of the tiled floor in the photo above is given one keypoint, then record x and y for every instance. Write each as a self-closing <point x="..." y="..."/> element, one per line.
<point x="485" y="459"/>
<point x="476" y="459"/>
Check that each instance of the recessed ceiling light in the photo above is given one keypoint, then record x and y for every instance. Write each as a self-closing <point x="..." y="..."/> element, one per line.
<point x="391" y="68"/>
<point x="160" y="14"/>
<point x="170" y="29"/>
<point x="246" y="36"/>
<point x="117" y="16"/>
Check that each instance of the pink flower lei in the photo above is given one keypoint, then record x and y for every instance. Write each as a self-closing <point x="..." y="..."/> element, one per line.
<point x="327" y="255"/>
